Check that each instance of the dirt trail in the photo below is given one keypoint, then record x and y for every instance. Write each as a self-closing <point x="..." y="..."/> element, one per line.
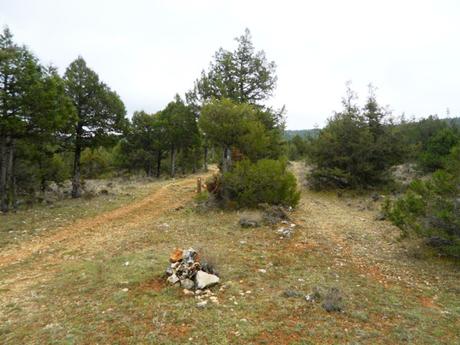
<point x="84" y="238"/>
<point x="346" y="228"/>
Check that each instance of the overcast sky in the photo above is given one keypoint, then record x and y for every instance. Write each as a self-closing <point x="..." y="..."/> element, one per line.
<point x="149" y="50"/>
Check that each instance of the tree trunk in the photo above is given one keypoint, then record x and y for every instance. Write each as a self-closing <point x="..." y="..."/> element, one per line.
<point x="195" y="159"/>
<point x="158" y="163"/>
<point x="227" y="160"/>
<point x="149" y="169"/>
<point x="184" y="162"/>
<point x="14" y="191"/>
<point x="205" y="163"/>
<point x="76" y="182"/>
<point x="3" y="174"/>
<point x="173" y="161"/>
<point x="10" y="174"/>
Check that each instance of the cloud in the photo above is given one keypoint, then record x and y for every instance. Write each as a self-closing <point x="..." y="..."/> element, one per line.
<point x="149" y="50"/>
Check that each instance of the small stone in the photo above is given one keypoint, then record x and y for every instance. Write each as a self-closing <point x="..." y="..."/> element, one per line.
<point x="198" y="292"/>
<point x="189" y="256"/>
<point x="262" y="270"/>
<point x="248" y="223"/>
<point x="380" y="216"/>
<point x="125" y="290"/>
<point x="285" y="232"/>
<point x="173" y="279"/>
<point x="127" y="263"/>
<point x="202" y="304"/>
<point x="188" y="292"/>
<point x="251" y="219"/>
<point x="187" y="284"/>
<point x="204" y="280"/>
<point x="176" y="255"/>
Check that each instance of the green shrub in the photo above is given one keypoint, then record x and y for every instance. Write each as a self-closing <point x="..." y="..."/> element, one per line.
<point x="437" y="149"/>
<point x="202" y="197"/>
<point x="57" y="169"/>
<point x="355" y="149"/>
<point x="431" y="208"/>
<point x="266" y="181"/>
<point x="96" y="163"/>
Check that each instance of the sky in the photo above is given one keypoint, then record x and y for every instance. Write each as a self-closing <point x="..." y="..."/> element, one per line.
<point x="147" y="51"/>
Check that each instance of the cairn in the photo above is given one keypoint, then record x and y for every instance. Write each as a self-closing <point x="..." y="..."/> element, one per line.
<point x="187" y="269"/>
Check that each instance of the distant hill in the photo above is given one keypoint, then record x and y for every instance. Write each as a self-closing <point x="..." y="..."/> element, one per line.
<point x="454" y="120"/>
<point x="311" y="133"/>
<point x="304" y="133"/>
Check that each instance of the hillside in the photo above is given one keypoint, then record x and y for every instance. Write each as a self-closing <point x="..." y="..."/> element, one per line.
<point x="100" y="278"/>
<point x="311" y="133"/>
<point x="304" y="133"/>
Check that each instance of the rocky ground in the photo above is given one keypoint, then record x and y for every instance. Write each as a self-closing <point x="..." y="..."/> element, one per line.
<point x="339" y="277"/>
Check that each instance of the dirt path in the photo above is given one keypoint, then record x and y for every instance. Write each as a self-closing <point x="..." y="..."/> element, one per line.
<point x="38" y="259"/>
<point x="347" y="229"/>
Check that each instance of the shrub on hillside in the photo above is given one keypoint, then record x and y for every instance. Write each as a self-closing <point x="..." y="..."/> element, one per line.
<point x="266" y="181"/>
<point x="437" y="149"/>
<point x="356" y="148"/>
<point x="431" y="208"/>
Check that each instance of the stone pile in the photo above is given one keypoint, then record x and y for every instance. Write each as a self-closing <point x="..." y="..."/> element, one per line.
<point x="186" y="269"/>
<point x="287" y="230"/>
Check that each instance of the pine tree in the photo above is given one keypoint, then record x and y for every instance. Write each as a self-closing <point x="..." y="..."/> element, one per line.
<point x="33" y="107"/>
<point x="243" y="75"/>
<point x="181" y="129"/>
<point x="100" y="113"/>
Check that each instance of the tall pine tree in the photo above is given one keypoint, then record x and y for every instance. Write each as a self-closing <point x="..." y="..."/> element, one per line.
<point x="100" y="113"/>
<point x="33" y="107"/>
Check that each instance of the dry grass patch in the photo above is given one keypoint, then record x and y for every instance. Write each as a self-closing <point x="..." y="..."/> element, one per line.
<point x="117" y="294"/>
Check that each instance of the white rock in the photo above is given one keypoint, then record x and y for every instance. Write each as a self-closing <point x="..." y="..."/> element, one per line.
<point x="262" y="270"/>
<point x="204" y="280"/>
<point x="187" y="284"/>
<point x="202" y="304"/>
<point x="173" y="279"/>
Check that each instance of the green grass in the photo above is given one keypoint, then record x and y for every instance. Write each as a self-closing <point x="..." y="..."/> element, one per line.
<point x="86" y="301"/>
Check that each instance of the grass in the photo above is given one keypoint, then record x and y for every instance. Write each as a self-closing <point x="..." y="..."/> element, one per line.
<point x="120" y="297"/>
<point x="25" y="223"/>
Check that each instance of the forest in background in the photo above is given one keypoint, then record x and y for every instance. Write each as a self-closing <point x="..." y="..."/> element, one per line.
<point x="73" y="127"/>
